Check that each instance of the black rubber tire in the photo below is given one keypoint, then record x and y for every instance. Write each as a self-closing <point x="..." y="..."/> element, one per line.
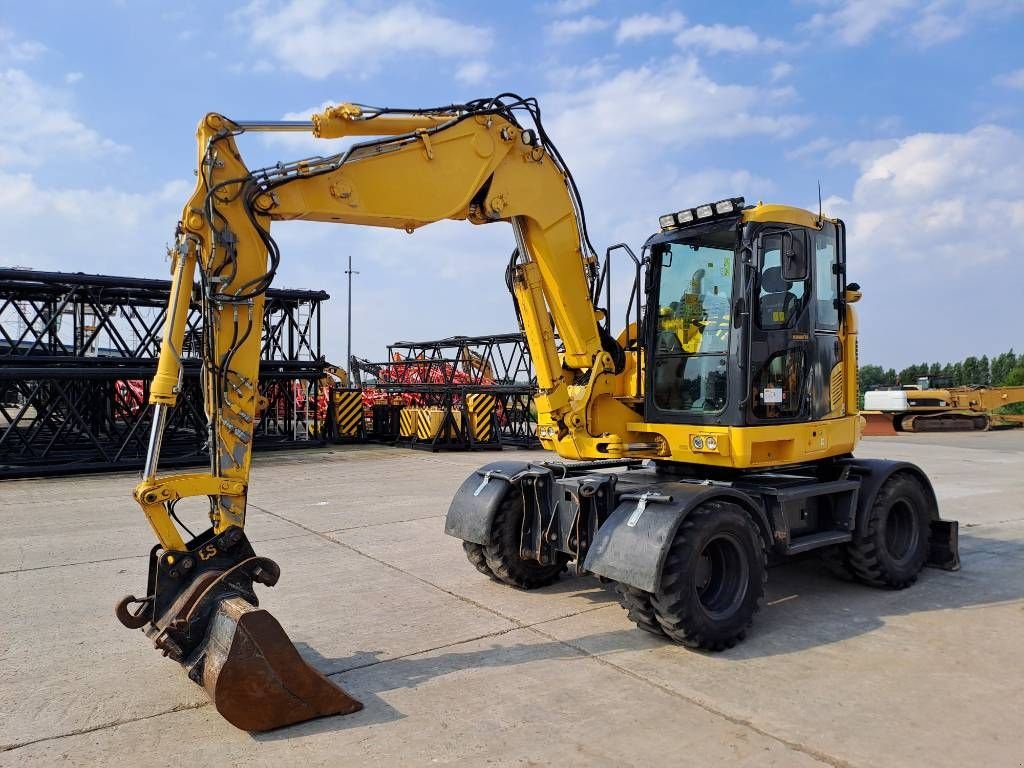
<point x="639" y="609"/>
<point x="735" y="553"/>
<point x="892" y="547"/>
<point x="475" y="555"/>
<point x="502" y="554"/>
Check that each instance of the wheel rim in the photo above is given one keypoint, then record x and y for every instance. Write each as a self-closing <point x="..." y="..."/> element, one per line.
<point x="722" y="575"/>
<point x="901" y="531"/>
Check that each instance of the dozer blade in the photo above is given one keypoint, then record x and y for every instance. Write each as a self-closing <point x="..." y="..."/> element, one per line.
<point x="254" y="675"/>
<point x="879" y="424"/>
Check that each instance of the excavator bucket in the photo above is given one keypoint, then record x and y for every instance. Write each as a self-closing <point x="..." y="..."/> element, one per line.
<point x="210" y="623"/>
<point x="254" y="675"/>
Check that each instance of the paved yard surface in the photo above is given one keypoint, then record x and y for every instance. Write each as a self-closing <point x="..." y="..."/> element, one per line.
<point x="455" y="669"/>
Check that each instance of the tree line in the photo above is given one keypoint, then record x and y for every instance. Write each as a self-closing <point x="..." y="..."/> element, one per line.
<point x="1003" y="370"/>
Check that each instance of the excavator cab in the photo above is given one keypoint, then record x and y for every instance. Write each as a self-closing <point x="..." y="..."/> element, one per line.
<point x="764" y="291"/>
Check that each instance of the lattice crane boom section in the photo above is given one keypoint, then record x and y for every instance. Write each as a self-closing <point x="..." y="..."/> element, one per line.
<point x="78" y="351"/>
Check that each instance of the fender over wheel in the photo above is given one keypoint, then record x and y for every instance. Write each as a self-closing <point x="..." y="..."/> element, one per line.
<point x="500" y="560"/>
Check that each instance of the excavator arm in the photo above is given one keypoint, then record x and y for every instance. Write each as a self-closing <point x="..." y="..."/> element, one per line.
<point x="473" y="162"/>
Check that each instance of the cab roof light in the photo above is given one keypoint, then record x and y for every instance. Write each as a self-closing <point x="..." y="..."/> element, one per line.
<point x="706" y="211"/>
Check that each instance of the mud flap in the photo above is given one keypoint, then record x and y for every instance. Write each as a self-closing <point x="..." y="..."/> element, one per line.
<point x="474" y="505"/>
<point x="634" y="541"/>
<point x="254" y="675"/>
<point x="944" y="545"/>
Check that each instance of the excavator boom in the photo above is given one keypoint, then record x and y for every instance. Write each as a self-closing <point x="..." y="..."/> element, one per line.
<point x="472" y="162"/>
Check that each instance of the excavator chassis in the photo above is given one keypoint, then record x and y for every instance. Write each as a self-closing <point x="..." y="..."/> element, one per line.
<point x="523" y="523"/>
<point x="202" y="611"/>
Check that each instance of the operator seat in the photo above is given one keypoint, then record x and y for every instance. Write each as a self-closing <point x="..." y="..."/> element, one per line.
<point x="777" y="304"/>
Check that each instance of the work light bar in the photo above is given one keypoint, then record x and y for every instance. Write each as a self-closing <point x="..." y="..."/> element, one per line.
<point x="700" y="213"/>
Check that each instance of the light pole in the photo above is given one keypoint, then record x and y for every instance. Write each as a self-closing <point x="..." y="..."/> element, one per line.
<point x="348" y="359"/>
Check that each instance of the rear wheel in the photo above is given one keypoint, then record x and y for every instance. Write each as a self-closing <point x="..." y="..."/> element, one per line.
<point x="475" y="555"/>
<point x="892" y="547"/>
<point x="502" y="554"/>
<point x="639" y="609"/>
<point x="713" y="580"/>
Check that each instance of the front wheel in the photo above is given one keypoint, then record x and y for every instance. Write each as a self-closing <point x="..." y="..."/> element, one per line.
<point x="714" y="578"/>
<point x="502" y="555"/>
<point x="892" y="547"/>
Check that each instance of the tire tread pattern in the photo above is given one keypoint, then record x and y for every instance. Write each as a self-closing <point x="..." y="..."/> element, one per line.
<point x="863" y="554"/>
<point x="639" y="609"/>
<point x="475" y="555"/>
<point x="677" y="615"/>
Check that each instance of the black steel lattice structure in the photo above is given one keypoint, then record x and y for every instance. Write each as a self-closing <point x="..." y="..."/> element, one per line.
<point x="77" y="353"/>
<point x="441" y="374"/>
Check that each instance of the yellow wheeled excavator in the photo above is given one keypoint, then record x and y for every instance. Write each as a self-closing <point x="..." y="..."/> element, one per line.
<point x="712" y="433"/>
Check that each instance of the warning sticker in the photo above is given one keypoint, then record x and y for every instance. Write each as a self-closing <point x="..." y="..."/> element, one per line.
<point x="772" y="395"/>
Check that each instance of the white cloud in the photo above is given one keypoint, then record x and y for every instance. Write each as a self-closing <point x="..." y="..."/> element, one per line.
<point x="861" y="152"/>
<point x="129" y="237"/>
<point x="672" y="104"/>
<point x="318" y="39"/>
<point x="17" y="51"/>
<point x="717" y="183"/>
<point x="1013" y="79"/>
<point x="714" y="38"/>
<point x="590" y="71"/>
<point x="623" y="135"/>
<point x="566" y="7"/>
<point x="923" y="22"/>
<point x="647" y="25"/>
<point x="567" y="29"/>
<point x="854" y="21"/>
<point x="930" y="230"/>
<point x="934" y="26"/>
<point x="813" y="149"/>
<point x="73" y="77"/>
<point x="36" y="123"/>
<point x="721" y="38"/>
<point x="945" y="198"/>
<point x="781" y="70"/>
<point x="472" y="72"/>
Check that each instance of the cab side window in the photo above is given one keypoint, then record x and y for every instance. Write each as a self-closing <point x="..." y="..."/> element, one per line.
<point x="779" y="300"/>
<point x="826" y="281"/>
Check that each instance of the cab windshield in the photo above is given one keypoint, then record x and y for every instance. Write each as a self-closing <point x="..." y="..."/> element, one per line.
<point x="693" y="323"/>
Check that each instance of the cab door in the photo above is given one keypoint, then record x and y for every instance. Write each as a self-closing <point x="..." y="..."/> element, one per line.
<point x="828" y="272"/>
<point x="781" y="352"/>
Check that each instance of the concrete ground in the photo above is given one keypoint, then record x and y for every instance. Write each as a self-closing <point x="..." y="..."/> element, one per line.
<point x="454" y="669"/>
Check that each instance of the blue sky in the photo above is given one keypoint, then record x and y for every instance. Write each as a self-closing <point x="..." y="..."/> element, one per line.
<point x="909" y="112"/>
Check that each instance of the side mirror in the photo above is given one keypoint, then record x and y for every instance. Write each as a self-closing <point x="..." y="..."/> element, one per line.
<point x="794" y="256"/>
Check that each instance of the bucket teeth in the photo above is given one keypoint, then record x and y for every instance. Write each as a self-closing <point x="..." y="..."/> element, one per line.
<point x="255" y="676"/>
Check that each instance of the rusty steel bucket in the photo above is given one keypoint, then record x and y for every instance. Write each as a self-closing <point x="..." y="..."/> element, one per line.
<point x="204" y="615"/>
<point x="254" y="675"/>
